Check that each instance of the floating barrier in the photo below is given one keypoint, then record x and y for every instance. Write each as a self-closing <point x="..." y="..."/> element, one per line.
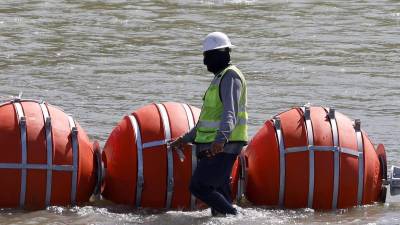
<point x="47" y="158"/>
<point x="141" y="170"/>
<point x="311" y="157"/>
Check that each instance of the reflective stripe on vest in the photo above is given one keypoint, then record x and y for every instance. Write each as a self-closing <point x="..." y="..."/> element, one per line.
<point x="215" y="124"/>
<point x="211" y="112"/>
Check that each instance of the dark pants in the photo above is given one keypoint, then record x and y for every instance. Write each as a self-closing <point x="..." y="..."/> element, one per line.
<point x="211" y="182"/>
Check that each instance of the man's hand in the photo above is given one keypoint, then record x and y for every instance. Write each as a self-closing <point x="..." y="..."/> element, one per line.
<point x="176" y="144"/>
<point x="216" y="147"/>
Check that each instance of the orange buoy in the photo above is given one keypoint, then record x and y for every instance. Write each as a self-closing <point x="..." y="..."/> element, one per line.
<point x="46" y="157"/>
<point x="311" y="157"/>
<point x="141" y="170"/>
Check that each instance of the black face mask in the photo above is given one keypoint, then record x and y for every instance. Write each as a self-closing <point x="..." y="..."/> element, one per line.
<point x="216" y="60"/>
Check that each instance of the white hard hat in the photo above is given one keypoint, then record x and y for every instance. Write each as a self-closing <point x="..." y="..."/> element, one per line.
<point x="216" y="40"/>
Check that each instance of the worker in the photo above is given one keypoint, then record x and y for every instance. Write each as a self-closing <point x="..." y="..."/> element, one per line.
<point x="221" y="131"/>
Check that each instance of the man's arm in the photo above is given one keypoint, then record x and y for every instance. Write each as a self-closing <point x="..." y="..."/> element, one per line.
<point x="230" y="90"/>
<point x="189" y="136"/>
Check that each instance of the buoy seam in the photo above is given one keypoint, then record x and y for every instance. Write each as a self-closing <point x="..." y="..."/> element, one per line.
<point x="281" y="144"/>
<point x="36" y="166"/>
<point x="155" y="143"/>
<point x="23" y="129"/>
<point x="138" y="141"/>
<point x="49" y="150"/>
<point x="75" y="152"/>
<point x="191" y="121"/>
<point x="189" y="116"/>
<point x="310" y="140"/>
<point x="241" y="177"/>
<point x="331" y="114"/>
<point x="360" y="147"/>
<point x="321" y="148"/>
<point x="194" y="165"/>
<point x="170" y="160"/>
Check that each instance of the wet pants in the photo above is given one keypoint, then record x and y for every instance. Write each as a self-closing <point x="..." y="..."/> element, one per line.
<point x="211" y="182"/>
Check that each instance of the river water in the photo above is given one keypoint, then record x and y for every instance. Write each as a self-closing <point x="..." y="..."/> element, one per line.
<point x="99" y="60"/>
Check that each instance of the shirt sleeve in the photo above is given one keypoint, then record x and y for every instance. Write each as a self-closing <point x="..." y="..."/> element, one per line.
<point x="230" y="90"/>
<point x="189" y="136"/>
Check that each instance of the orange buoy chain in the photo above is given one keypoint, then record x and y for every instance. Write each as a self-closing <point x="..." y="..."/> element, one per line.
<point x="311" y="148"/>
<point x="49" y="166"/>
<point x="141" y="146"/>
<point x="158" y="177"/>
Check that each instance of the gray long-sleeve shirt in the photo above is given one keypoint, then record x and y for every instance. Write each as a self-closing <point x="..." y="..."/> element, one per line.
<point x="230" y="90"/>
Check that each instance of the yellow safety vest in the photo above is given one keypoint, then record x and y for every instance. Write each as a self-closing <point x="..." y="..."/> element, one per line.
<point x="211" y="112"/>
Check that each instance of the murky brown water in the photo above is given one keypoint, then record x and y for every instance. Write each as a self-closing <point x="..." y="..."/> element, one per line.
<point x="99" y="60"/>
